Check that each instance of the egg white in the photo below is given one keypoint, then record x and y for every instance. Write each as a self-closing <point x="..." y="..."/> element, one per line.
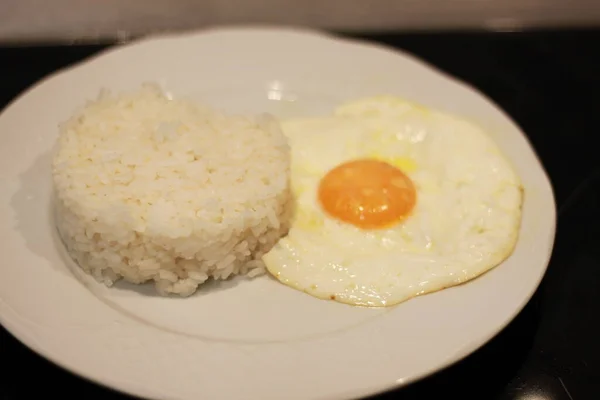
<point x="465" y="222"/>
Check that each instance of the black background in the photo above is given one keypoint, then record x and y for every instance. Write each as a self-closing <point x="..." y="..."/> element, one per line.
<point x="549" y="82"/>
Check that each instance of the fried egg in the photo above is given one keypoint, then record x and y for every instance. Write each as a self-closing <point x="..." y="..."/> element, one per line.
<point x="393" y="200"/>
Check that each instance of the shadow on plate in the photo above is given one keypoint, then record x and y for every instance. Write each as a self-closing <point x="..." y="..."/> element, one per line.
<point x="32" y="206"/>
<point x="148" y="289"/>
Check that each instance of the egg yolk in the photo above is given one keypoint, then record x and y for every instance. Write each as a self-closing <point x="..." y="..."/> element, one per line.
<point x="367" y="193"/>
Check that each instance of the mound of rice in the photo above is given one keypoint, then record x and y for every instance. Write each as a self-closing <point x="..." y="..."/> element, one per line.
<point x="150" y="188"/>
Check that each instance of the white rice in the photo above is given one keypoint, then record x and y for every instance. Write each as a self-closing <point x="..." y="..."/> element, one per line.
<point x="149" y="188"/>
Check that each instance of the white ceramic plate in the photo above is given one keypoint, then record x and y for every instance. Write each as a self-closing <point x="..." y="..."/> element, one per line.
<point x="257" y="339"/>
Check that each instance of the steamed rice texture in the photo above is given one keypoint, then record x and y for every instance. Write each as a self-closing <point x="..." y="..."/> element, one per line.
<point x="151" y="188"/>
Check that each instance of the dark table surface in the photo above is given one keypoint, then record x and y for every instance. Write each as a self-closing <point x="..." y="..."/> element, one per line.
<point x="549" y="82"/>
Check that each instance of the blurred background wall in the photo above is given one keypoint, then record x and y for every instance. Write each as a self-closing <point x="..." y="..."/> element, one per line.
<point x="49" y="20"/>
